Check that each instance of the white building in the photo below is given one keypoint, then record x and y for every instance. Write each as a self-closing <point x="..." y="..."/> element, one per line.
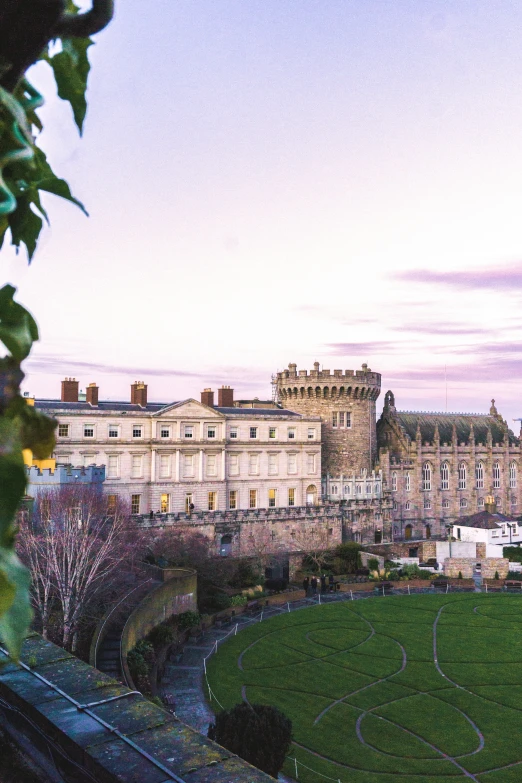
<point x="487" y="527"/>
<point x="170" y="456"/>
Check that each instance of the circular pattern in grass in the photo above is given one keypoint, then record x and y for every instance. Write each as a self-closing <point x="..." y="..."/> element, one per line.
<point x="409" y="689"/>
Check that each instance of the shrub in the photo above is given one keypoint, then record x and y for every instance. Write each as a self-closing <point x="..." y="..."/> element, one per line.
<point x="216" y="602"/>
<point x="161" y="635"/>
<point x="514" y="575"/>
<point x="373" y="563"/>
<point x="188" y="619"/>
<point x="258" y="733"/>
<point x="347" y="557"/>
<point x="238" y="600"/>
<point x="460" y="574"/>
<point x="276" y="584"/>
<point x="394" y="575"/>
<point x="514" y="553"/>
<point x="496" y="575"/>
<point x="245" y="575"/>
<point x="141" y="659"/>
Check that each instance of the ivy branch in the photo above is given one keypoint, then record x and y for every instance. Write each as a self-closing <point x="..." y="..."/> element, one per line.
<point x="58" y="34"/>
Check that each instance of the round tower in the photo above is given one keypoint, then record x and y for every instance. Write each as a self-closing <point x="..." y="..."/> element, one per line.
<point x="346" y="404"/>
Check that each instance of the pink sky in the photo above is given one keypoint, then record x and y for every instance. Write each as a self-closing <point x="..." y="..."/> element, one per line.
<point x="288" y="181"/>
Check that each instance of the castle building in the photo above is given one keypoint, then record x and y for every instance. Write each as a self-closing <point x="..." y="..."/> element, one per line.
<point x="190" y="456"/>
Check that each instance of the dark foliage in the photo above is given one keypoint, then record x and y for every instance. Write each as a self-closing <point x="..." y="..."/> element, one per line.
<point x="276" y="584"/>
<point x="245" y="575"/>
<point x="258" y="733"/>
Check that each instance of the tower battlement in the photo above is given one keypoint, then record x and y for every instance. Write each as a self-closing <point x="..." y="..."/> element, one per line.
<point x="355" y="384"/>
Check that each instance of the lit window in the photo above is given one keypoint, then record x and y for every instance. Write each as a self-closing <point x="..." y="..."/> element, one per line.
<point x="211" y="432"/>
<point x="111" y="504"/>
<point x="444" y="476"/>
<point x="212" y="501"/>
<point x="233" y="465"/>
<point x="137" y="431"/>
<point x="334" y="419"/>
<point x="407" y="482"/>
<point x="211" y="465"/>
<point x="272" y="432"/>
<point x="253" y="433"/>
<point x="252" y="498"/>
<point x="479" y="475"/>
<point x="63" y="430"/>
<point x="164" y="465"/>
<point x="88" y="431"/>
<point x="232" y="499"/>
<point x="394" y="481"/>
<point x="165" y="432"/>
<point x="135" y="504"/>
<point x="291" y="496"/>
<point x="272" y="464"/>
<point x="311" y="433"/>
<point x="291" y="433"/>
<point x="462" y="475"/>
<point x="114" y="431"/>
<point x="188" y="431"/>
<point x="253" y="464"/>
<point x="496" y="476"/>
<point x="165" y="504"/>
<point x="426" y="476"/>
<point x="233" y="433"/>
<point x="113" y="466"/>
<point x="136" y="466"/>
<point x="512" y="475"/>
<point x="272" y="498"/>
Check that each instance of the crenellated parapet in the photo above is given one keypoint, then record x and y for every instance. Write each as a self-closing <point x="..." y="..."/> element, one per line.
<point x="294" y="384"/>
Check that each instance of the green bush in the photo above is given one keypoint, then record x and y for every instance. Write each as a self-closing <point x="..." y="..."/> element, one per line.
<point x="238" y="600"/>
<point x="460" y="574"/>
<point x="514" y="575"/>
<point x="513" y="553"/>
<point x="394" y="575"/>
<point x="373" y="563"/>
<point x="347" y="558"/>
<point x="141" y="659"/>
<point x="161" y="635"/>
<point x="188" y="619"/>
<point x="496" y="575"/>
<point x="245" y="575"/>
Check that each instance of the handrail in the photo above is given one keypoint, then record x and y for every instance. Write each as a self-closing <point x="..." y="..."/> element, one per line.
<point x="113" y="610"/>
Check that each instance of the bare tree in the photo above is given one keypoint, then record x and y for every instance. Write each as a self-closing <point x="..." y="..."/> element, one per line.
<point x="75" y="546"/>
<point x="313" y="538"/>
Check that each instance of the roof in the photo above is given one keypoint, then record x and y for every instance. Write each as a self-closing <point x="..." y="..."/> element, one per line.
<point x="409" y="420"/>
<point x="249" y="412"/>
<point x="484" y="520"/>
<point x="155" y="407"/>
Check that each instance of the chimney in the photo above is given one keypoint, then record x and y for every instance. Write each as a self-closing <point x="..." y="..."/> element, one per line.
<point x="92" y="394"/>
<point x="225" y="397"/>
<point x="207" y="397"/>
<point x="70" y="390"/>
<point x="139" y="394"/>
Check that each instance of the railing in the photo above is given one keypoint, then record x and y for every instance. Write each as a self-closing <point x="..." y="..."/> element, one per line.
<point x="109" y="615"/>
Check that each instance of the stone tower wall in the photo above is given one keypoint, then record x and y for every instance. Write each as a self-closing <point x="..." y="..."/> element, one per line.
<point x="323" y="393"/>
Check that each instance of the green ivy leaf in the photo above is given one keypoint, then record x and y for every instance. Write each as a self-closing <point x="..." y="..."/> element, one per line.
<point x="18" y="329"/>
<point x="16" y="618"/>
<point x="71" y="68"/>
<point x="7" y="593"/>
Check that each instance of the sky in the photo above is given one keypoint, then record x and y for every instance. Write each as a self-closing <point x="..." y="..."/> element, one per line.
<point x="275" y="181"/>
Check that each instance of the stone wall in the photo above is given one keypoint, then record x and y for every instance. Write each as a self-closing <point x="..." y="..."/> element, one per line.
<point x="455" y="565"/>
<point x="490" y="565"/>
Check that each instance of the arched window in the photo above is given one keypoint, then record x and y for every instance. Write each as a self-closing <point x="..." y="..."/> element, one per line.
<point x="426" y="476"/>
<point x="407" y="505"/>
<point x="394" y="481"/>
<point x="462" y="475"/>
<point x="498" y="502"/>
<point x="479" y="475"/>
<point x="428" y="531"/>
<point x="512" y="475"/>
<point x="496" y="476"/>
<point x="407" y="482"/>
<point x="225" y="548"/>
<point x="395" y="505"/>
<point x="463" y="503"/>
<point x="481" y="502"/>
<point x="444" y="476"/>
<point x="408" y="530"/>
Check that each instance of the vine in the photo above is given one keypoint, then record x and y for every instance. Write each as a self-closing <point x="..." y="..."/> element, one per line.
<point x="28" y="32"/>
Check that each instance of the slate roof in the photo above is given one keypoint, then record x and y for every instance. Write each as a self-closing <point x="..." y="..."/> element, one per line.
<point x="259" y="412"/>
<point x="409" y="420"/>
<point x="484" y="520"/>
<point x="151" y="407"/>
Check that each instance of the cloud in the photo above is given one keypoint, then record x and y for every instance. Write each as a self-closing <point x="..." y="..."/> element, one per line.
<point x="507" y="279"/>
<point x="358" y="349"/>
<point x="436" y="328"/>
<point x="497" y="371"/>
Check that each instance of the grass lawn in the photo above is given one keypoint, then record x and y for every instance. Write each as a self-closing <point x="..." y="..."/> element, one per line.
<point x="401" y="689"/>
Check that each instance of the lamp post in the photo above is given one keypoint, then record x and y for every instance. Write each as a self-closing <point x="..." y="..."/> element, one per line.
<point x="448" y="528"/>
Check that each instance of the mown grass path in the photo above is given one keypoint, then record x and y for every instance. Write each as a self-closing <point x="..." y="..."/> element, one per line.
<point x="410" y="689"/>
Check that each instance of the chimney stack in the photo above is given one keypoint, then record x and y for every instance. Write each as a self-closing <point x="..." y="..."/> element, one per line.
<point x="225" y="397"/>
<point x="70" y="390"/>
<point x="207" y="397"/>
<point x="139" y="394"/>
<point x="92" y="394"/>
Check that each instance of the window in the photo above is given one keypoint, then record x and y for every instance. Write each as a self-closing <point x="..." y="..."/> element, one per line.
<point x="165" y="432"/>
<point x="211" y="432"/>
<point x="334" y="489"/>
<point x="233" y="465"/>
<point x="212" y="501"/>
<point x="311" y="463"/>
<point x="427" y="502"/>
<point x="189" y="501"/>
<point x="232" y="499"/>
<point x="368" y="489"/>
<point x="253" y="433"/>
<point x="188" y="431"/>
<point x="496" y="476"/>
<point x="334" y="419"/>
<point x="164" y="465"/>
<point x="348" y="420"/>
<point x="480" y="502"/>
<point x="394" y="481"/>
<point x="341" y="418"/>
<point x="445" y="503"/>
<point x="165" y="504"/>
<point x="272" y="432"/>
<point x="395" y="505"/>
<point x="358" y="489"/>
<point x="463" y="503"/>
<point x="272" y="465"/>
<point x="426" y="476"/>
<point x="111" y="504"/>
<point x="252" y="498"/>
<point x="233" y="433"/>
<point x="253" y="464"/>
<point x="188" y="465"/>
<point x="88" y="431"/>
<point x="513" y="503"/>
<point x="462" y="475"/>
<point x="444" y="476"/>
<point x="347" y="489"/>
<point x="291" y="496"/>
<point x="407" y="505"/>
<point x="407" y="482"/>
<point x="272" y="493"/>
<point x="291" y="433"/>
<point x="311" y="433"/>
<point x="135" y="504"/>
<point x="211" y="465"/>
<point x="63" y="430"/>
<point x="136" y="466"/>
<point x="479" y="475"/>
<point x="498" y="502"/>
<point x="114" y="431"/>
<point x="113" y="466"/>
<point x="292" y="463"/>
<point x="137" y="431"/>
<point x="89" y="459"/>
<point x="512" y="475"/>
